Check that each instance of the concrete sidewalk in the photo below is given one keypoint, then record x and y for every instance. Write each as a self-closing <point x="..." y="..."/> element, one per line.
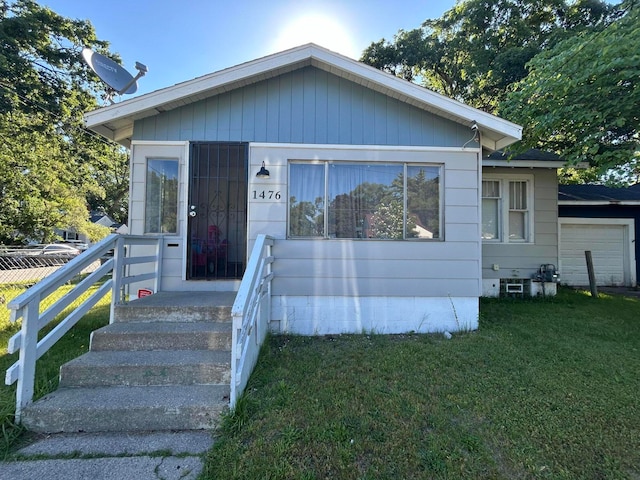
<point x="111" y="456"/>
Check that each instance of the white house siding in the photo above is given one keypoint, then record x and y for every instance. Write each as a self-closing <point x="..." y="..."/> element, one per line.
<point x="522" y="260"/>
<point x="333" y="286"/>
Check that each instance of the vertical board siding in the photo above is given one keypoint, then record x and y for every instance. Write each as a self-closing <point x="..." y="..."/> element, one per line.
<point x="305" y="106"/>
<point x="523" y="259"/>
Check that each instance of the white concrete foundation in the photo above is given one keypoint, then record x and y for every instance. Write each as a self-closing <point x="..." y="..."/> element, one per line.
<point x="309" y="315"/>
<point x="546" y="289"/>
<point x="490" y="287"/>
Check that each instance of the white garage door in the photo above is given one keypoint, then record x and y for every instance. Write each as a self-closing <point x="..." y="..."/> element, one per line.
<point x="609" y="247"/>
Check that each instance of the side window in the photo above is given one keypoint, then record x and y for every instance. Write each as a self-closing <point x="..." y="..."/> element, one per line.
<point x="161" y="197"/>
<point x="507" y="214"/>
<point x="491" y="225"/>
<point x="518" y="213"/>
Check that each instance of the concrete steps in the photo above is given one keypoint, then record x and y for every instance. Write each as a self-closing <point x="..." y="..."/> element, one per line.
<point x="162" y="367"/>
<point x="136" y="336"/>
<point x="164" y="364"/>
<point x="120" y="409"/>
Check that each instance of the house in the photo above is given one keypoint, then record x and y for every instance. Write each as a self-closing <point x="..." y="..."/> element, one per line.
<point x="606" y="222"/>
<point x="70" y="235"/>
<point x="385" y="216"/>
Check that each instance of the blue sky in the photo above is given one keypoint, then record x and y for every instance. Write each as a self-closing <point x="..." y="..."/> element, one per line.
<point x="182" y="39"/>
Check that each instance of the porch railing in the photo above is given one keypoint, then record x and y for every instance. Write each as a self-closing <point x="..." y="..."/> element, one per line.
<point x="27" y="305"/>
<point x="251" y="314"/>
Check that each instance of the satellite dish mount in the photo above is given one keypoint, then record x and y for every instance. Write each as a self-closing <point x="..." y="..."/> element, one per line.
<point x="118" y="80"/>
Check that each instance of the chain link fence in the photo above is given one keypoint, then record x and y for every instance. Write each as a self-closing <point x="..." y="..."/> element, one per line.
<point x="23" y="267"/>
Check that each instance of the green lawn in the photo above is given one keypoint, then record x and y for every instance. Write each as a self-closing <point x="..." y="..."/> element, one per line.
<point x="73" y="344"/>
<point x="546" y="388"/>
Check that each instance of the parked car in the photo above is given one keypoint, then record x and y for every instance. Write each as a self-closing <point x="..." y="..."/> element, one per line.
<point x="82" y="246"/>
<point x="58" y="249"/>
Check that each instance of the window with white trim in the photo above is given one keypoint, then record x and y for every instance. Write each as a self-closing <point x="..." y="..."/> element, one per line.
<point x="161" y="196"/>
<point x="390" y="201"/>
<point x="507" y="208"/>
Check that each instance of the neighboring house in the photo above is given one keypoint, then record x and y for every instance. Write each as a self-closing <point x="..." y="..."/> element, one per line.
<point x="605" y="221"/>
<point x="70" y="235"/>
<point x="373" y="188"/>
<point x="103" y="219"/>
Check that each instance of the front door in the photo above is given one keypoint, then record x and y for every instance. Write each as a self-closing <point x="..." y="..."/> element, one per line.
<point x="217" y="229"/>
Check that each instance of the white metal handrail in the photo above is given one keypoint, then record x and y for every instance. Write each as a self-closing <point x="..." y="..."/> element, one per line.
<point x="251" y="314"/>
<point x="27" y="305"/>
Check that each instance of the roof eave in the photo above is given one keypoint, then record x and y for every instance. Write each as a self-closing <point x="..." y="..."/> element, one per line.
<point x="523" y="163"/>
<point x="496" y="133"/>
<point x="529" y="163"/>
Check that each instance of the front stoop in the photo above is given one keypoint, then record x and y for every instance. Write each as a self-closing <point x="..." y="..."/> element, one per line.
<point x="164" y="364"/>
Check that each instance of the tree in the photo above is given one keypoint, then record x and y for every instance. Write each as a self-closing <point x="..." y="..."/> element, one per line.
<point x="580" y="98"/>
<point x="49" y="164"/>
<point x="480" y="47"/>
<point x="307" y="218"/>
<point x="387" y="221"/>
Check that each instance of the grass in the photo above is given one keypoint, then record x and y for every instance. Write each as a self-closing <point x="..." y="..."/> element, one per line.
<point x="546" y="388"/>
<point x="73" y="344"/>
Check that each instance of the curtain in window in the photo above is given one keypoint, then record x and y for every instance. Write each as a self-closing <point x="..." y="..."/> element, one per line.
<point x="490" y="210"/>
<point x="365" y="201"/>
<point x="517" y="210"/>
<point x="306" y="200"/>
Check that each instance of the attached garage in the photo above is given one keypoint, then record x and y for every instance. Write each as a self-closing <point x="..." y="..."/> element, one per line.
<point x="611" y="242"/>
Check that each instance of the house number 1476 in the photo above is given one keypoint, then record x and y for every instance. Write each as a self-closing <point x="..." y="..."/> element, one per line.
<point x="266" y="195"/>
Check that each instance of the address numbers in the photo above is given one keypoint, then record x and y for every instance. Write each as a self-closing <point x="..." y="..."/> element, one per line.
<point x="266" y="195"/>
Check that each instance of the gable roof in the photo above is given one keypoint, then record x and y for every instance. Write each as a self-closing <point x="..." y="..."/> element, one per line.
<point x="102" y="219"/>
<point x="598" y="195"/>
<point x="116" y="121"/>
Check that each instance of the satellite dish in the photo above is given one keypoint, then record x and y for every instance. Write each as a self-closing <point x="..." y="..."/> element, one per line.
<point x="117" y="79"/>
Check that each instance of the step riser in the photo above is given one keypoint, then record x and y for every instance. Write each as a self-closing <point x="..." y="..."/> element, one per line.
<point x="120" y="420"/>
<point x="134" y="342"/>
<point x="109" y="409"/>
<point x="103" y="376"/>
<point x="129" y="313"/>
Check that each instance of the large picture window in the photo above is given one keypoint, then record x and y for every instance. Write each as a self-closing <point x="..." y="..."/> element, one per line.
<point x="364" y="200"/>
<point x="161" y="200"/>
<point x="507" y="209"/>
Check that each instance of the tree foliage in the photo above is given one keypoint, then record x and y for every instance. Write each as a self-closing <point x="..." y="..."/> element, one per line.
<point x="480" y="47"/>
<point x="50" y="166"/>
<point x="566" y="70"/>
<point x="581" y="97"/>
